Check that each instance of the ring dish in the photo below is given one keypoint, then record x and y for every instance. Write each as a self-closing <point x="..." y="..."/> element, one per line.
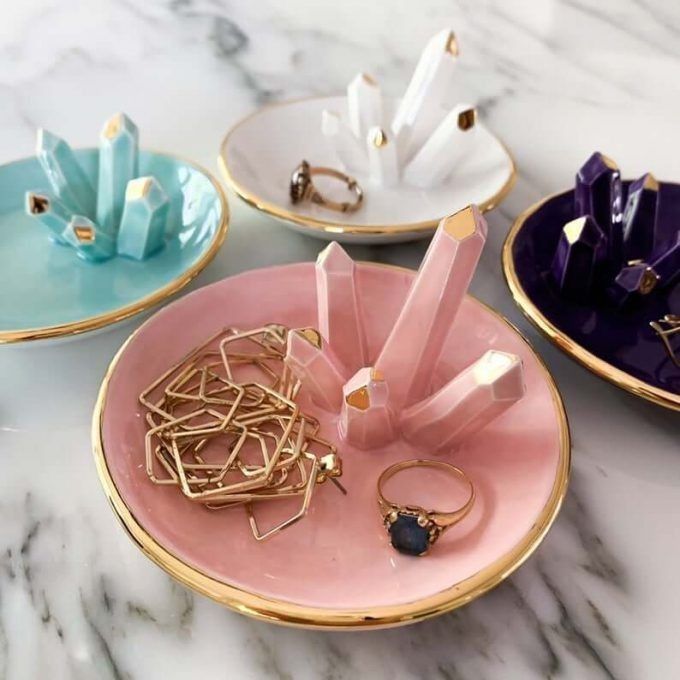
<point x="50" y="293"/>
<point x="620" y="347"/>
<point x="259" y="152"/>
<point x="336" y="568"/>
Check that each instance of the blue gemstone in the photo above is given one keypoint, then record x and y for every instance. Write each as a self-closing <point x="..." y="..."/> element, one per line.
<point x="408" y="536"/>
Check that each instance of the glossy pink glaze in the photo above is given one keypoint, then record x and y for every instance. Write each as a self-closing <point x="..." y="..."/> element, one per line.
<point x="339" y="316"/>
<point x="416" y="341"/>
<point x="319" y="369"/>
<point x="466" y="404"/>
<point x="339" y="555"/>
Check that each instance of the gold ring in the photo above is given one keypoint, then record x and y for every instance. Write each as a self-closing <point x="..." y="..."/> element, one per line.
<point x="302" y="188"/>
<point x="412" y="529"/>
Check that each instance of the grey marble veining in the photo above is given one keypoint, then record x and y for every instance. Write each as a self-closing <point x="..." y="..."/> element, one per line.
<point x="556" y="79"/>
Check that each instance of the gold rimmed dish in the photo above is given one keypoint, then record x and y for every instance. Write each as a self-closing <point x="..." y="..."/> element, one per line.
<point x="51" y="294"/>
<point x="622" y="348"/>
<point x="299" y="577"/>
<point x="259" y="153"/>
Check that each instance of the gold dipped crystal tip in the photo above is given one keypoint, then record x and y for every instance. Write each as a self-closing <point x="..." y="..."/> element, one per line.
<point x="84" y="234"/>
<point x="452" y="45"/>
<point x="311" y="335"/>
<point x="138" y="188"/>
<point x="37" y="204"/>
<point x="112" y="126"/>
<point x="467" y="119"/>
<point x="465" y="223"/>
<point x="378" y="138"/>
<point x="572" y="230"/>
<point x="359" y="399"/>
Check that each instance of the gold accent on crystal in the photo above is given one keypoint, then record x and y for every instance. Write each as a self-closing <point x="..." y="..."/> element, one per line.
<point x="147" y="302"/>
<point x="274" y="610"/>
<point x="37" y="204"/>
<point x="368" y="79"/>
<point x="452" y="45"/>
<point x="138" y="188"/>
<point x="379" y="138"/>
<point x="461" y="225"/>
<point x="467" y="119"/>
<point x="572" y="230"/>
<point x="609" y="162"/>
<point x="648" y="281"/>
<point x="650" y="183"/>
<point x="359" y="399"/>
<point x="377" y="375"/>
<point x="84" y="234"/>
<point x="593" y="363"/>
<point x="334" y="228"/>
<point x="311" y="335"/>
<point x="112" y="126"/>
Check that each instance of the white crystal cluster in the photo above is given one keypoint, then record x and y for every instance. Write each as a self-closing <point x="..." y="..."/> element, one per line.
<point x="417" y="146"/>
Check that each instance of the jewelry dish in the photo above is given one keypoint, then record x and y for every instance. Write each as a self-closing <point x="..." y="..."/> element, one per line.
<point x="50" y="293"/>
<point x="336" y="569"/>
<point x="620" y="347"/>
<point x="261" y="151"/>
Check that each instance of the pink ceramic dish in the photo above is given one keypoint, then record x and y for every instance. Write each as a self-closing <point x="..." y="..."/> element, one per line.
<point x="335" y="568"/>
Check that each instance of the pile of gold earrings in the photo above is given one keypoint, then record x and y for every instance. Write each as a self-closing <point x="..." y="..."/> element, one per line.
<point x="224" y="427"/>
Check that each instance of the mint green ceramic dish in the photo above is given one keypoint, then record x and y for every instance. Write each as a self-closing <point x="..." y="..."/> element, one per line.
<point x="47" y="291"/>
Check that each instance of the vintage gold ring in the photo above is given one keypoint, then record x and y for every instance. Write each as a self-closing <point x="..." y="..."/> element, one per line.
<point x="302" y="188"/>
<point x="413" y="529"/>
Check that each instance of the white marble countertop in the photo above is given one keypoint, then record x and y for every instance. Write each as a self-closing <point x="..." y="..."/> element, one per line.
<point x="555" y="80"/>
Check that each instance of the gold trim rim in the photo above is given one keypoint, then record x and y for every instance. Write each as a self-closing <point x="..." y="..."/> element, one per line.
<point x="560" y="339"/>
<point x="74" y="328"/>
<point x="335" y="228"/>
<point x="287" y="613"/>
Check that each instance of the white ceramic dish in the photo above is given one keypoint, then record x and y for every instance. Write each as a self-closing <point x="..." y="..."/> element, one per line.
<point x="260" y="152"/>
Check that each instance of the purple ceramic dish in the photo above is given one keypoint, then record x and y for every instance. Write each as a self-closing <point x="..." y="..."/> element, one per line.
<point x="618" y="346"/>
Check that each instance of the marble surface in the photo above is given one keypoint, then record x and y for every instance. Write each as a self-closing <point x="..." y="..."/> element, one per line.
<point x="555" y="79"/>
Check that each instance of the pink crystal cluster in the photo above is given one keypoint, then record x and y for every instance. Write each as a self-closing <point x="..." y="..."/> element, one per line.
<point x="382" y="398"/>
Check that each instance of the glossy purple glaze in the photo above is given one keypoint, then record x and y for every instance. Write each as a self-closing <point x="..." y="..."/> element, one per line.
<point x="623" y="339"/>
<point x="639" y="219"/>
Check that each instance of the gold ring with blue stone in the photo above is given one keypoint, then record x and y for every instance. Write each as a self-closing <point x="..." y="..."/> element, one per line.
<point x="413" y="529"/>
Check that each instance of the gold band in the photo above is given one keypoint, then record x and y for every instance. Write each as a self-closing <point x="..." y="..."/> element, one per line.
<point x="442" y="519"/>
<point x="302" y="188"/>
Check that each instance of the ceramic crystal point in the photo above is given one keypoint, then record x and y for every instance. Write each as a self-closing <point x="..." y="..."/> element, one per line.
<point x="639" y="218"/>
<point x="579" y="249"/>
<point x="314" y="363"/>
<point x="343" y="144"/>
<point x="142" y="226"/>
<point x="598" y="194"/>
<point x="430" y="82"/>
<point x="366" y="419"/>
<point x="412" y="349"/>
<point x="469" y="402"/>
<point x="383" y="158"/>
<point x="641" y="278"/>
<point x="118" y="164"/>
<point x="447" y="146"/>
<point x="364" y="104"/>
<point x="632" y="282"/>
<point x="90" y="242"/>
<point x="67" y="178"/>
<point x="51" y="212"/>
<point x="338" y="313"/>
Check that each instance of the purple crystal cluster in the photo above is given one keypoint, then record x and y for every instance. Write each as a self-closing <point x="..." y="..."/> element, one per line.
<point x="615" y="252"/>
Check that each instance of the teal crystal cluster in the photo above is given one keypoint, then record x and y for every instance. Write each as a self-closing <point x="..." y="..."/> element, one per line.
<point x="124" y="215"/>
